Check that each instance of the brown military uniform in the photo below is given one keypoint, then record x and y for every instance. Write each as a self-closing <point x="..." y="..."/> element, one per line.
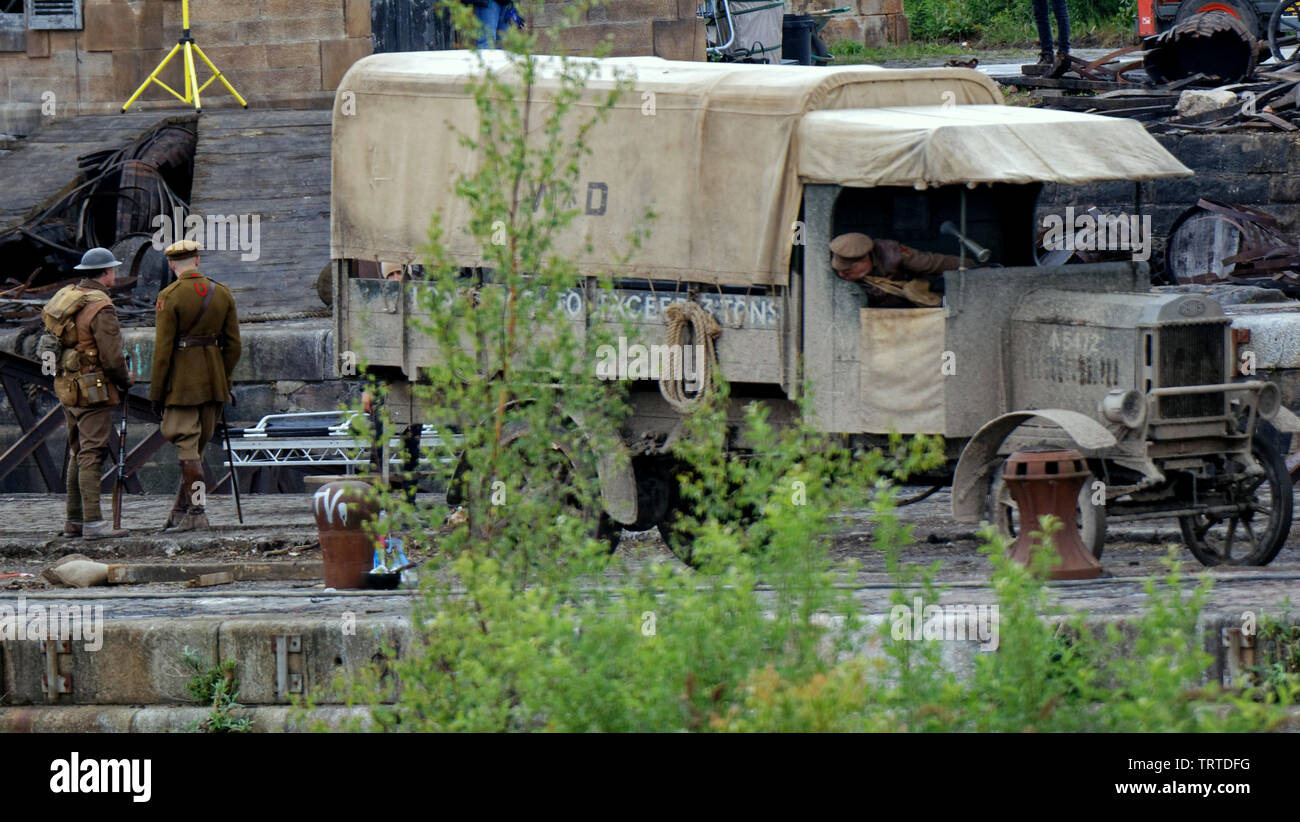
<point x="193" y="359"/>
<point x="99" y="348"/>
<point x="898" y="272"/>
<point x="899" y="275"/>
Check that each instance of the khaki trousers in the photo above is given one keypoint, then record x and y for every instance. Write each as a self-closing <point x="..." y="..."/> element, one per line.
<point x="88" y="431"/>
<point x="190" y="427"/>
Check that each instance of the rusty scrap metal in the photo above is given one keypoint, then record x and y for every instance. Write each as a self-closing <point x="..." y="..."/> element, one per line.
<point x="1216" y="242"/>
<point x="1213" y="43"/>
<point x="116" y="195"/>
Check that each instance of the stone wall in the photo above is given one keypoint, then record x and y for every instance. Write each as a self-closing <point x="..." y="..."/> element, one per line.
<point x="275" y="52"/>
<point x="279" y="52"/>
<point x="869" y="22"/>
<point x="1257" y="170"/>
<point x="664" y="28"/>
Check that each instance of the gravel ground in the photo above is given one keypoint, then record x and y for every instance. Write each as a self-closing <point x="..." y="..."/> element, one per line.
<point x="284" y="524"/>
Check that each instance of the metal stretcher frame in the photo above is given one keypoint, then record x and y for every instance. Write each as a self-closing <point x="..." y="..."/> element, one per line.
<point x="260" y="446"/>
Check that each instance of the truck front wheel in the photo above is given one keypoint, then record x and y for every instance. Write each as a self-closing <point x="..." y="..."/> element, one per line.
<point x="1258" y="528"/>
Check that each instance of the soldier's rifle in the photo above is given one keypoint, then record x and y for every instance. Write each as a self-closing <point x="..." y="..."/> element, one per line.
<point x="119" y="481"/>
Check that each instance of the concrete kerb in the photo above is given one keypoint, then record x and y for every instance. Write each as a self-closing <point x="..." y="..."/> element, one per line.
<point x="140" y="661"/>
<point x="170" y="719"/>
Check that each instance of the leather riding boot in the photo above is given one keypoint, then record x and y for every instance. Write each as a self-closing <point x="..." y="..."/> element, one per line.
<point x="179" y="506"/>
<point x="195" y="517"/>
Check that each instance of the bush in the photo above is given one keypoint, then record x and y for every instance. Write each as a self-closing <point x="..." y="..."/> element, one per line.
<point x="1009" y="20"/>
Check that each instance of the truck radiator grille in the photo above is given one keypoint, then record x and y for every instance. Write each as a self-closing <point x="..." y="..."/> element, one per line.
<point x="1191" y="355"/>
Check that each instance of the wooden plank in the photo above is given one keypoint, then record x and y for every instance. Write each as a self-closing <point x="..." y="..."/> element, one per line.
<point x="275" y="164"/>
<point x="207" y="580"/>
<point x="1069" y="83"/>
<point x="139" y="573"/>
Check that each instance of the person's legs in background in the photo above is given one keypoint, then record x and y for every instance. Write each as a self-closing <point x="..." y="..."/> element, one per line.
<point x="489" y="16"/>
<point x="1062" y="63"/>
<point x="1044" y="23"/>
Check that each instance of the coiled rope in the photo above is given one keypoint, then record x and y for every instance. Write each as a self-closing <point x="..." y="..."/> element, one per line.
<point x="704" y="330"/>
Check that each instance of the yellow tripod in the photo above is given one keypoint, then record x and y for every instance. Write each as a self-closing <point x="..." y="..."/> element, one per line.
<point x="192" y="87"/>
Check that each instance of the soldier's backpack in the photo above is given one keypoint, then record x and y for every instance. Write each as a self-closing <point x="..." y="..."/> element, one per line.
<point x="59" y="316"/>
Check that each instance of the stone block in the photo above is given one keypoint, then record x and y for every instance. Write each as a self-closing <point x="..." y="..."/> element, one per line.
<point x="902" y="29"/>
<point x="1244" y="153"/>
<point x="356" y="18"/>
<point x="330" y="646"/>
<point x="546" y="15"/>
<point x="216" y="33"/>
<point x="1283" y="188"/>
<point x="290" y="31"/>
<point x="38" y="44"/>
<point x="298" y="9"/>
<point x="15" y="39"/>
<point x="270" y="83"/>
<point x="625" y="39"/>
<point x="337" y="56"/>
<point x="288" y="55"/>
<point x="130" y="68"/>
<point x="892" y="7"/>
<point x="843" y="28"/>
<point x="621" y="11"/>
<point x="679" y="39"/>
<point x="235" y="60"/>
<point x="876" y="30"/>
<point x="868" y="7"/>
<point x="139" y="661"/>
<point x="213" y="10"/>
<point x="114" y="26"/>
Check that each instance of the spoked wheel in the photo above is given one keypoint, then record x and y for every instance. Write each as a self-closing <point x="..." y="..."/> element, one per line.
<point x="1284" y="31"/>
<point x="1257" y="530"/>
<point x="1005" y="515"/>
<point x="557" y="474"/>
<point x="678" y="538"/>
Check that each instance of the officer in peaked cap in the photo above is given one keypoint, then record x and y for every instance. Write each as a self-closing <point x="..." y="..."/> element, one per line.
<point x="196" y="347"/>
<point x="893" y="275"/>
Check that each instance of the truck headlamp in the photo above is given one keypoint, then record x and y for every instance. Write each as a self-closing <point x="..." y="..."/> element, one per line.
<point x="1270" y="399"/>
<point x="1128" y="408"/>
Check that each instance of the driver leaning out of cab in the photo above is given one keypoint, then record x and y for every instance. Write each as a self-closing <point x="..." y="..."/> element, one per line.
<point x="893" y="275"/>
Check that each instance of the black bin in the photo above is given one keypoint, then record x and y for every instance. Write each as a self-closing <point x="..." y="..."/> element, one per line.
<point x="796" y="38"/>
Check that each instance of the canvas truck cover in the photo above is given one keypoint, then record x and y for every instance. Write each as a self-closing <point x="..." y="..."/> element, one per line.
<point x="940" y="145"/>
<point x="715" y="157"/>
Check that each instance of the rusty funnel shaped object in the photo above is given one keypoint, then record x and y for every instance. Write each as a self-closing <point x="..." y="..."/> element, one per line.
<point x="342" y="508"/>
<point x="1048" y="482"/>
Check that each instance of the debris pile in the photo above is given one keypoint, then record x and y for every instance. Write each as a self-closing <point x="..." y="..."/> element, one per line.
<point x="1201" y="75"/>
<point x="1215" y="242"/>
<point x="111" y="203"/>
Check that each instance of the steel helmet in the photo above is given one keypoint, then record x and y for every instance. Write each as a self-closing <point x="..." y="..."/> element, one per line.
<point x="97" y="258"/>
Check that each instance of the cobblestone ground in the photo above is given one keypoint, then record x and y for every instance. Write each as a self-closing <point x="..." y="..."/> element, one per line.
<point x="282" y="526"/>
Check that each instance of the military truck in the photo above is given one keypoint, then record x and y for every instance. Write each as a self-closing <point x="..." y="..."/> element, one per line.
<point x="754" y="169"/>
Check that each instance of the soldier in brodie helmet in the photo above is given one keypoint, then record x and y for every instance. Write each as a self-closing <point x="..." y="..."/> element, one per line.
<point x="86" y="340"/>
<point x="196" y="347"/>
